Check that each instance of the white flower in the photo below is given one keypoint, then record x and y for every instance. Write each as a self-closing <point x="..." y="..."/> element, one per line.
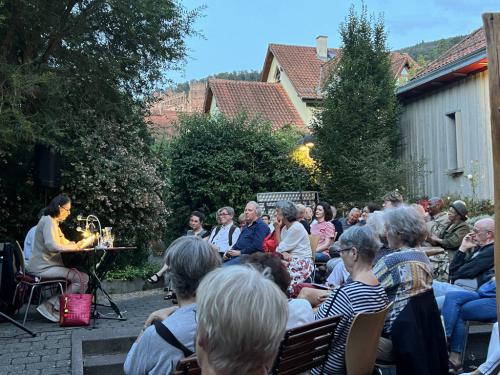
<point x="469" y="176"/>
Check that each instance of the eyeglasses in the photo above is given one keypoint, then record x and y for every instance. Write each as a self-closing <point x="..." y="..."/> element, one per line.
<point x="477" y="231"/>
<point x="345" y="249"/>
<point x="65" y="209"/>
<point x="223" y="214"/>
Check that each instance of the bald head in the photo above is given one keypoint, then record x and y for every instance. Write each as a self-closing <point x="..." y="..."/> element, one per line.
<point x="436" y="205"/>
<point x="486" y="224"/>
<point x="484" y="231"/>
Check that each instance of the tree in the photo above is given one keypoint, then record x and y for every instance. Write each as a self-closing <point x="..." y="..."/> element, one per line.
<point x="218" y="161"/>
<point x="76" y="76"/>
<point x="356" y="127"/>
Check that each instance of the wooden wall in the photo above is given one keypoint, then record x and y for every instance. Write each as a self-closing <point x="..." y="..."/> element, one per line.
<point x="429" y="123"/>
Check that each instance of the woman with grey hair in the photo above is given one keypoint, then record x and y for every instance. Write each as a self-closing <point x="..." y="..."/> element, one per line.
<point x="241" y="316"/>
<point x="293" y="243"/>
<point x="188" y="260"/>
<point x="357" y="247"/>
<point x="407" y="271"/>
<point x="376" y="223"/>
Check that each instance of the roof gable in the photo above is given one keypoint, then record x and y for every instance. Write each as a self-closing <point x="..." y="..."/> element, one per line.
<point x="308" y="73"/>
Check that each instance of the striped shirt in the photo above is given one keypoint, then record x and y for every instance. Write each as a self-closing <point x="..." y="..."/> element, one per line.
<point x="348" y="300"/>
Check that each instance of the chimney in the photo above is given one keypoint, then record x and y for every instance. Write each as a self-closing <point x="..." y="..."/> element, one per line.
<point x="321" y="47"/>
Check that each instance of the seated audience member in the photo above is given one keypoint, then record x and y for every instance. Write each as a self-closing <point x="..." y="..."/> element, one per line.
<point x="452" y="235"/>
<point x="493" y="358"/>
<point x="151" y="353"/>
<point x="376" y="223"/>
<point x="241" y="317"/>
<point x="357" y="248"/>
<point x="472" y="265"/>
<point x="438" y="218"/>
<point x="267" y="220"/>
<point x="438" y="221"/>
<point x="309" y="215"/>
<point x="226" y="233"/>
<point x="299" y="310"/>
<point x="242" y="221"/>
<point x="351" y="219"/>
<point x="336" y="223"/>
<point x="252" y="236"/>
<point x="325" y="229"/>
<point x="461" y="306"/>
<point x="421" y="210"/>
<point x="28" y="244"/>
<point x="293" y="243"/>
<point x="196" y="220"/>
<point x="392" y="199"/>
<point x="406" y="272"/>
<point x="301" y="211"/>
<point x="339" y="274"/>
<point x="370" y="208"/>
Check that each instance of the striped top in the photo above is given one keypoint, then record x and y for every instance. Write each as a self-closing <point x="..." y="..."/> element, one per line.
<point x="348" y="300"/>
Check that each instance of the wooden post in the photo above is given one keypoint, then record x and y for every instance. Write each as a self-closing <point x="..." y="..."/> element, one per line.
<point x="492" y="29"/>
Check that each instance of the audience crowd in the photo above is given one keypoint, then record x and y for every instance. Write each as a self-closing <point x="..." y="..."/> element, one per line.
<point x="239" y="287"/>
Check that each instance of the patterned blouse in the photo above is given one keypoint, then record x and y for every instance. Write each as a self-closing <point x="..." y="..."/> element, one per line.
<point x="403" y="274"/>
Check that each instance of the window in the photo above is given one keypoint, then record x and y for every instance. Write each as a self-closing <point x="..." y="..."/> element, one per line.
<point x="454" y="144"/>
<point x="277" y="74"/>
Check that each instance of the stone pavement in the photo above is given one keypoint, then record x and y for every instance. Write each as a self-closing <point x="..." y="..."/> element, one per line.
<point x="50" y="351"/>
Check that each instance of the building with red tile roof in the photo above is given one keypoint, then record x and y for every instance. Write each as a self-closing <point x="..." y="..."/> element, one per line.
<point x="263" y="99"/>
<point x="446" y="123"/>
<point x="301" y="72"/>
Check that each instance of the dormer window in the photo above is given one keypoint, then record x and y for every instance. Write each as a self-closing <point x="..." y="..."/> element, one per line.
<point x="277" y="74"/>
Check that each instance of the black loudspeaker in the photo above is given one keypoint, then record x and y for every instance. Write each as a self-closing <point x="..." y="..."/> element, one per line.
<point x="47" y="167"/>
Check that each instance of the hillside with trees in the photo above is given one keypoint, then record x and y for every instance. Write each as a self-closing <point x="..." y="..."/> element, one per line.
<point x="425" y="52"/>
<point x="241" y="75"/>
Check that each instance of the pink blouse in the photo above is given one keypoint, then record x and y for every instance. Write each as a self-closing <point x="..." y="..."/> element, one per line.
<point x="325" y="229"/>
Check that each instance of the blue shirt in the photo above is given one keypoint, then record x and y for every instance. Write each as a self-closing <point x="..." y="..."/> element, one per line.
<point x="252" y="237"/>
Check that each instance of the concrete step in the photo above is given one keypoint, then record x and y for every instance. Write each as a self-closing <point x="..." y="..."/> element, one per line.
<point x="109" y="364"/>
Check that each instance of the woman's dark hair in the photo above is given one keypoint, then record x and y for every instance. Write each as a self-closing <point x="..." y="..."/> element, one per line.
<point x="199" y="215"/>
<point x="327" y="208"/>
<point x="55" y="204"/>
<point x="372" y="207"/>
<point x="272" y="261"/>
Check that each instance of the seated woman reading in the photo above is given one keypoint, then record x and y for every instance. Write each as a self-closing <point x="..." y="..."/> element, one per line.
<point x="46" y="260"/>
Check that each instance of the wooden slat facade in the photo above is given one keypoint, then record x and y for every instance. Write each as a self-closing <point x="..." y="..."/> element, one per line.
<point x="432" y="121"/>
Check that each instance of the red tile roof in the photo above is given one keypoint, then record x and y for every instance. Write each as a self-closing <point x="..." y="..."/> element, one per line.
<point x="268" y="100"/>
<point x="472" y="43"/>
<point x="307" y="72"/>
<point x="399" y="61"/>
<point x="164" y="123"/>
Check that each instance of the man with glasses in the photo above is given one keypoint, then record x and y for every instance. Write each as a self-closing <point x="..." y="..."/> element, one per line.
<point x="472" y="265"/>
<point x="226" y="234"/>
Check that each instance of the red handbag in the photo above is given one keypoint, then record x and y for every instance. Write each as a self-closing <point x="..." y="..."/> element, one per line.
<point x="74" y="309"/>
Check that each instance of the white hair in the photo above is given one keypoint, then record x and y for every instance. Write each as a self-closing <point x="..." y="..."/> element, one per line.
<point x="241" y="317"/>
<point x="258" y="209"/>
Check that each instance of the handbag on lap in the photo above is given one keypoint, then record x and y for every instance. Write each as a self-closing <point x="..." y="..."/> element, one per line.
<point x="74" y="309"/>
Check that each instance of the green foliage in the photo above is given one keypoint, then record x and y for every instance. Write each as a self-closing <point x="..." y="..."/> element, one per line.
<point x="133" y="272"/>
<point x="218" y="161"/>
<point x="356" y="129"/>
<point x="75" y="75"/>
<point x="425" y="52"/>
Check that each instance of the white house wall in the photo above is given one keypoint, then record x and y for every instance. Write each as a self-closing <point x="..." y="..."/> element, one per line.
<point x="425" y="127"/>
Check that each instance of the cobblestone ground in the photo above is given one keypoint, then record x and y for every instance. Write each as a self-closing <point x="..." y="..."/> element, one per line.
<point x="50" y="351"/>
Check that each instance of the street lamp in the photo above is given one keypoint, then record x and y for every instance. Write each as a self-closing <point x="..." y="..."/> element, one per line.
<point x="306" y="143"/>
